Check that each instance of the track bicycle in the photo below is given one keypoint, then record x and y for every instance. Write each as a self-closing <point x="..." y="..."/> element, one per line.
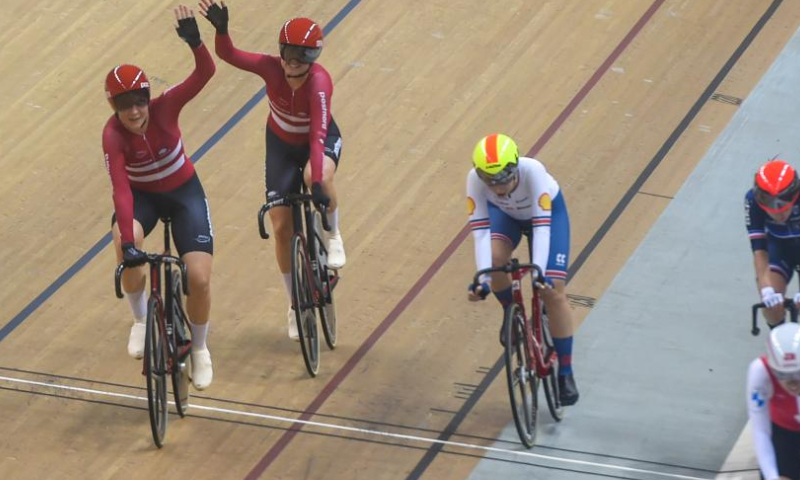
<point x="167" y="336"/>
<point x="530" y="354"/>
<point x="312" y="280"/>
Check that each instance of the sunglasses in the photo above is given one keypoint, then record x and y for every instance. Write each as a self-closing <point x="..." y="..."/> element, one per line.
<point x="503" y="177"/>
<point x="293" y="54"/>
<point x="126" y="101"/>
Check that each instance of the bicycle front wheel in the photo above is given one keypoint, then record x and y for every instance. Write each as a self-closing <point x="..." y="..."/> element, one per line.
<point x="155" y="366"/>
<point x="181" y="345"/>
<point x="522" y="383"/>
<point x="327" y="309"/>
<point x="303" y="301"/>
<point x="551" y="391"/>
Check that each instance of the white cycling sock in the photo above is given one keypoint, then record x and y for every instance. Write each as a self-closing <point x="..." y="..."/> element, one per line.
<point x="138" y="302"/>
<point x="287" y="280"/>
<point x="199" y="335"/>
<point x="333" y="220"/>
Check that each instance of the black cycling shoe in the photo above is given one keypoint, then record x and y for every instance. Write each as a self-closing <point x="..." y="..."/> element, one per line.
<point x="568" y="391"/>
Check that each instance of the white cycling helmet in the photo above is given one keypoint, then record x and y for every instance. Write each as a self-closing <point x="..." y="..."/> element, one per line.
<point x="783" y="351"/>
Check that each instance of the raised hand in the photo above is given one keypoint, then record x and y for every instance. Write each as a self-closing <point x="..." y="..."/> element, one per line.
<point x="218" y="16"/>
<point x="187" y="26"/>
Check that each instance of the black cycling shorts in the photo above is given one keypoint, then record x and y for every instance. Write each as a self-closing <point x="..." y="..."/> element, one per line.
<point x="787" y="451"/>
<point x="284" y="164"/>
<point x="186" y="206"/>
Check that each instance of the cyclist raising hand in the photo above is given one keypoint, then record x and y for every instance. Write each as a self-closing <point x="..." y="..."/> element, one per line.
<point x="509" y="196"/>
<point x="152" y="177"/>
<point x="301" y="133"/>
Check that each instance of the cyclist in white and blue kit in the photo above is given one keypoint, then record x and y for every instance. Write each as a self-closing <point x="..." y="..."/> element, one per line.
<point x="510" y="196"/>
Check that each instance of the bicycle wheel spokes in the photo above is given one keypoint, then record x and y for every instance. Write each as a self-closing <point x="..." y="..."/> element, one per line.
<point x="302" y="298"/>
<point x="180" y="343"/>
<point x="522" y="385"/>
<point x="551" y="391"/>
<point x="327" y="310"/>
<point x="155" y="371"/>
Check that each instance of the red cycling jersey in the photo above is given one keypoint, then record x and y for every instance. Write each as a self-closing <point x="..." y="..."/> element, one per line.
<point x="155" y="161"/>
<point x="298" y="117"/>
<point x="784" y="408"/>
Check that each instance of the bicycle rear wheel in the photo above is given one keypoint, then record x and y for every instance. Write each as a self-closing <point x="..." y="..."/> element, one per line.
<point x="522" y="383"/>
<point x="181" y="345"/>
<point x="303" y="300"/>
<point x="155" y="371"/>
<point x="551" y="391"/>
<point x="327" y="309"/>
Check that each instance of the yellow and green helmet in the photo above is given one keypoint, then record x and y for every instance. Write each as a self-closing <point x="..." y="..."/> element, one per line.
<point x="495" y="159"/>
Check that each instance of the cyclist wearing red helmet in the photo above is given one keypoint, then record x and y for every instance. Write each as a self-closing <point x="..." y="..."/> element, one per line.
<point x="773" y="404"/>
<point x="151" y="177"/>
<point x="773" y="224"/>
<point x="301" y="133"/>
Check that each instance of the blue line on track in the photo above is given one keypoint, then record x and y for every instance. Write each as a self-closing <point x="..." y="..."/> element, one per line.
<point x="103" y="242"/>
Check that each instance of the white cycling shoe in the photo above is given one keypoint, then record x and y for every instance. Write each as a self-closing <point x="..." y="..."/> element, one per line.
<point x="336" y="256"/>
<point x="202" y="372"/>
<point x="136" y="340"/>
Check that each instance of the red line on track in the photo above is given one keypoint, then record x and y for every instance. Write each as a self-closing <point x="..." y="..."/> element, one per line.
<point x="404" y="302"/>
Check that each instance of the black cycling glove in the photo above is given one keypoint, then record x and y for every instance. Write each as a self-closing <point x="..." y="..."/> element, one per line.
<point x="132" y="256"/>
<point x="188" y="31"/>
<point x="218" y="16"/>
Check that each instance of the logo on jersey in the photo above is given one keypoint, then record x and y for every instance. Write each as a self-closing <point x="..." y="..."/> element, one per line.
<point x="162" y="152"/>
<point x="545" y="203"/>
<point x="108" y="166"/>
<point x="746" y="212"/>
<point x="203" y="239"/>
<point x="757" y="400"/>
<point x="561" y="259"/>
<point x="470" y="205"/>
<point x="141" y="154"/>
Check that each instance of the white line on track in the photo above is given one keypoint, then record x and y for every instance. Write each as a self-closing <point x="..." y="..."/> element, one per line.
<point x="364" y="431"/>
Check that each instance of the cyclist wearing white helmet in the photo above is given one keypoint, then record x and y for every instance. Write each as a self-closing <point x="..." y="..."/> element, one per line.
<point x="509" y="196"/>
<point x="773" y="400"/>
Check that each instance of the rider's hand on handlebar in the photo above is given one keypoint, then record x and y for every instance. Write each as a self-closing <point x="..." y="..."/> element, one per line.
<point x="771" y="298"/>
<point x="479" y="292"/>
<point x="132" y="256"/>
<point x="318" y="196"/>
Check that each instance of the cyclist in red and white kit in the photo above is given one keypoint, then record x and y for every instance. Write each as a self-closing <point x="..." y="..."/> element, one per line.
<point x="152" y="177"/>
<point x="303" y="141"/>
<point x="773" y="401"/>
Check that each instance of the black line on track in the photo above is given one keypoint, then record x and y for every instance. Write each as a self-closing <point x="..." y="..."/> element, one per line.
<point x="655" y="195"/>
<point x="351" y="419"/>
<point x="615" y="214"/>
<point x="326" y="435"/>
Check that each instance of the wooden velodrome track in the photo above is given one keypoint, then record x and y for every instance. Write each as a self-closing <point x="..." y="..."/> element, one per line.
<point x="613" y="96"/>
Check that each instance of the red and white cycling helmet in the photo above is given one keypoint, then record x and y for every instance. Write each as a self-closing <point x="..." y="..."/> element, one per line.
<point x="124" y="79"/>
<point x="783" y="352"/>
<point x="300" y="39"/>
<point x="776" y="186"/>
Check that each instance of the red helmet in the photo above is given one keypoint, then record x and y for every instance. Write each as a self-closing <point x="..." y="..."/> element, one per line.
<point x="125" y="78"/>
<point x="776" y="186"/>
<point x="300" y="38"/>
